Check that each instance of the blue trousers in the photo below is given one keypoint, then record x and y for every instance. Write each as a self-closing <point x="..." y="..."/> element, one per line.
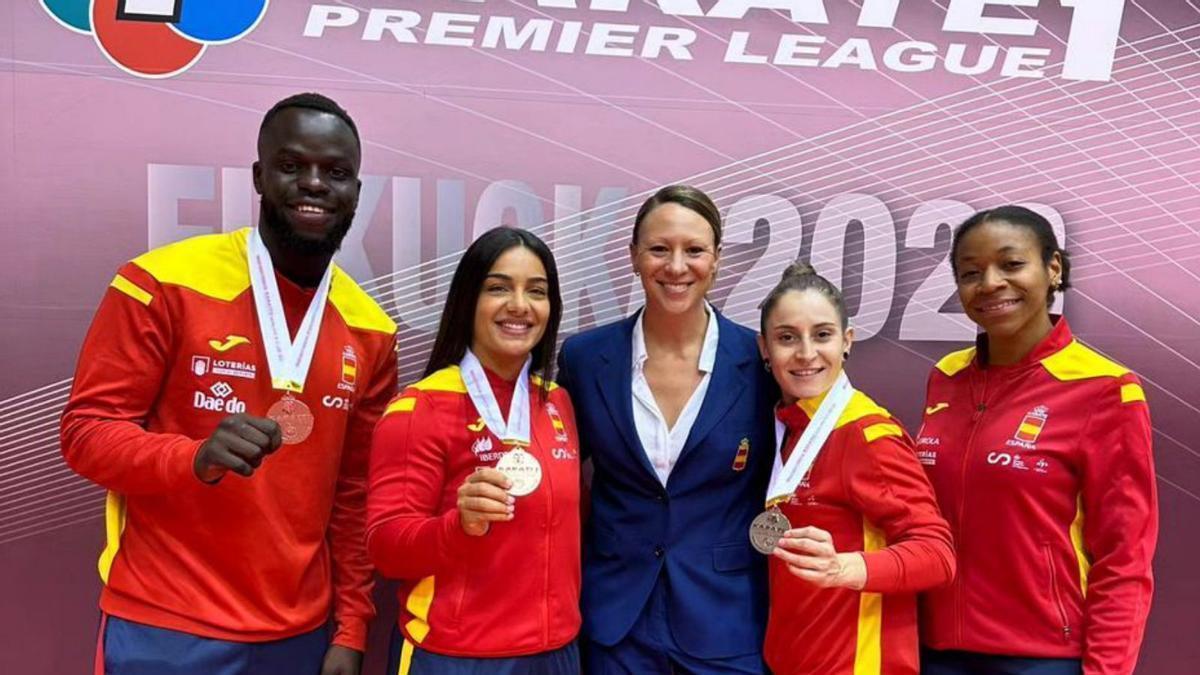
<point x="130" y="648"/>
<point x="405" y="658"/>
<point x="934" y="662"/>
<point x="650" y="649"/>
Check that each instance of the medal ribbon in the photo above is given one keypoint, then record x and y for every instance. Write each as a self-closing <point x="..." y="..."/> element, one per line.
<point x="287" y="360"/>
<point x="786" y="477"/>
<point x="514" y="431"/>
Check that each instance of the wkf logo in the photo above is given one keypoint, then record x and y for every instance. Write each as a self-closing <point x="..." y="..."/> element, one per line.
<point x="157" y="38"/>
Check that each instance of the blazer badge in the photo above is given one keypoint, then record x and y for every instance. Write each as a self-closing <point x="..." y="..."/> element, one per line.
<point x="742" y="456"/>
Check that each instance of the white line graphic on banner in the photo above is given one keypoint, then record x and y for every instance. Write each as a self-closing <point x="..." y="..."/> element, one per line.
<point x="22" y="411"/>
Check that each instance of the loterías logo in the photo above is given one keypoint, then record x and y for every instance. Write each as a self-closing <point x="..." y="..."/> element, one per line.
<point x="157" y="38"/>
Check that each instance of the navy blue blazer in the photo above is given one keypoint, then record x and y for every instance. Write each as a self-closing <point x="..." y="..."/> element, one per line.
<point x="695" y="530"/>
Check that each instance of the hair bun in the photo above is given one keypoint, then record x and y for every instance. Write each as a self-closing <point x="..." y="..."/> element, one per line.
<point x="798" y="269"/>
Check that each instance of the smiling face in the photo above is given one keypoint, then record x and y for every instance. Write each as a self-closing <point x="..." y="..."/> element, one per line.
<point x="307" y="175"/>
<point x="1003" y="283"/>
<point x="804" y="344"/>
<point x="676" y="257"/>
<point x="512" y="310"/>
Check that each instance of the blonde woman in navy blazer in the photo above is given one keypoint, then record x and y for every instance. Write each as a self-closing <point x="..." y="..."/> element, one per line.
<point x="674" y="409"/>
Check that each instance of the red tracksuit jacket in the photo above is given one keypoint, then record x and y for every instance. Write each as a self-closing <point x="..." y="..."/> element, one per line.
<point x="1044" y="471"/>
<point x="867" y="489"/>
<point x="515" y="590"/>
<point x="173" y="349"/>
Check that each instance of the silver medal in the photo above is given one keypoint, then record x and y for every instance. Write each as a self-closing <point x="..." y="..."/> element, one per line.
<point x="767" y="529"/>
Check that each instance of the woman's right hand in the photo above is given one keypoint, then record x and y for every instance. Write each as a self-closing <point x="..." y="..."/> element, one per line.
<point x="483" y="499"/>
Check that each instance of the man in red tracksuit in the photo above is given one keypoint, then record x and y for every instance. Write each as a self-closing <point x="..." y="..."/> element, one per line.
<point x="510" y="593"/>
<point x="207" y="573"/>
<point x="1043" y="470"/>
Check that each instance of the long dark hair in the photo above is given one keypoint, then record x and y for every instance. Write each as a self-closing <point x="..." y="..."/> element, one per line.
<point x="456" y="330"/>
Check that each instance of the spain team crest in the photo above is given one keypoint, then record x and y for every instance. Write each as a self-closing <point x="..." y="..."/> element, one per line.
<point x="1032" y="424"/>
<point x="349" y="366"/>
<point x="742" y="456"/>
<point x="560" y="429"/>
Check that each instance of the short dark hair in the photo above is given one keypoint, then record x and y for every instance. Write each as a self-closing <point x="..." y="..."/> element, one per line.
<point x="456" y="329"/>
<point x="686" y="196"/>
<point x="1020" y="217"/>
<point x="800" y="276"/>
<point x="311" y="101"/>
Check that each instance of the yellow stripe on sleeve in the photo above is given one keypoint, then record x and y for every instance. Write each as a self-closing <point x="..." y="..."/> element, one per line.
<point x="406" y="654"/>
<point x="1081" y="556"/>
<point x="420" y="599"/>
<point x="1132" y="392"/>
<point x="131" y="289"/>
<point x="114" y="527"/>
<point x="405" y="404"/>
<point x="882" y="430"/>
<point x="868" y="649"/>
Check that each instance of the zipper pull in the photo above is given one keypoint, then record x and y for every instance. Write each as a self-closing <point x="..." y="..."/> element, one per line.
<point x="979" y="410"/>
<point x="1067" y="632"/>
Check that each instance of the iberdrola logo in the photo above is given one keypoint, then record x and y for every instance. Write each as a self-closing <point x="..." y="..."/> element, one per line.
<point x="157" y="38"/>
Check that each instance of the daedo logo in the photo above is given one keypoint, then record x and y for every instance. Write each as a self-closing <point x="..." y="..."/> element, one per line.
<point x="157" y="38"/>
<point x="220" y="401"/>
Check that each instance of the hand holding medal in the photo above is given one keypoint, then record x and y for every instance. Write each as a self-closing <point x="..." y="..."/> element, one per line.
<point x="240" y="443"/>
<point x="810" y="555"/>
<point x="770" y="526"/>
<point x="523" y="471"/>
<point x="293" y="417"/>
<point x="522" y="468"/>
<point x="483" y="499"/>
<point x="767" y="529"/>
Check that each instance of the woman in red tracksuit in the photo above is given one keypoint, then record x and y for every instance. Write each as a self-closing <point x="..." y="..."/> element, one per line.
<point x="1039" y="449"/>
<point x="486" y="548"/>
<point x="867" y="534"/>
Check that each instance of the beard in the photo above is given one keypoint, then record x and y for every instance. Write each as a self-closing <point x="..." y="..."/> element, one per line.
<point x="274" y="221"/>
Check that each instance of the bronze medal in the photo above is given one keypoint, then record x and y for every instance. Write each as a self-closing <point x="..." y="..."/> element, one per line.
<point x="294" y="418"/>
<point x="522" y="469"/>
<point x="767" y="529"/>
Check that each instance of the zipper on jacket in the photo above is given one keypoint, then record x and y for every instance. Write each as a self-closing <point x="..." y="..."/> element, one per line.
<point x="1062" y="611"/>
<point x="976" y="420"/>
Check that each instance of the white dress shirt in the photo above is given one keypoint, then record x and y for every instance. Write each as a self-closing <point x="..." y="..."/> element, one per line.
<point x="663" y="444"/>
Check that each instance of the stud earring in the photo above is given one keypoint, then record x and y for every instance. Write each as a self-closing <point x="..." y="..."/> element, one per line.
<point x="846" y="355"/>
<point x="766" y="365"/>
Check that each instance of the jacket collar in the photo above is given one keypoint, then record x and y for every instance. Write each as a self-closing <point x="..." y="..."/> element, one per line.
<point x="729" y="379"/>
<point x="708" y="349"/>
<point x="1059" y="337"/>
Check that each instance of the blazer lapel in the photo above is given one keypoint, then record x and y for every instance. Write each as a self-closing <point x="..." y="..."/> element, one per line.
<point x="616" y="387"/>
<point x="725" y="386"/>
